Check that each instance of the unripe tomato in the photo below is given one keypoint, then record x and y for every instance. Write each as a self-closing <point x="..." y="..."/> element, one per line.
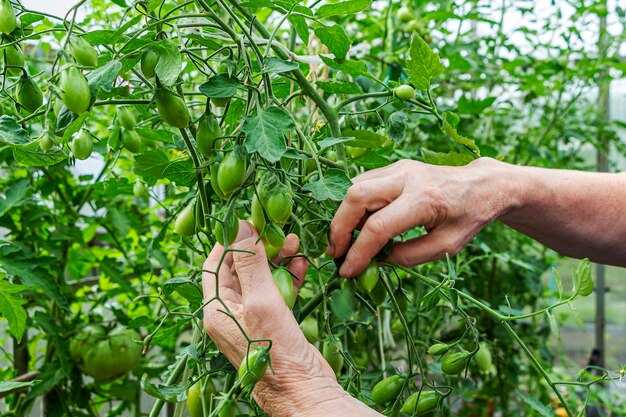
<point x="279" y="207"/>
<point x="195" y="395"/>
<point x="229" y="409"/>
<point x="172" y="109"/>
<point x="284" y="283"/>
<point x="404" y="92"/>
<point x="275" y="235"/>
<point x="438" y="349"/>
<point x="28" y="94"/>
<point x="75" y="91"/>
<point x="256" y="214"/>
<point x="87" y="337"/>
<point x="378" y="295"/>
<point x="131" y="141"/>
<point x="271" y="251"/>
<point x="369" y="277"/>
<point x="140" y="191"/>
<point x="387" y="390"/>
<point x="404" y="14"/>
<point x="185" y="224"/>
<point x="331" y="353"/>
<point x="427" y="402"/>
<point x="253" y="367"/>
<point x="454" y="363"/>
<point x="310" y="329"/>
<point x="126" y="118"/>
<point x="82" y="145"/>
<point x="148" y="64"/>
<point x="14" y="58"/>
<point x="231" y="172"/>
<point x="8" y="22"/>
<point x="213" y="169"/>
<point x="45" y="141"/>
<point x="231" y="223"/>
<point x="220" y="102"/>
<point x="208" y="131"/>
<point x="84" y="53"/>
<point x="354" y="152"/>
<point x="483" y="358"/>
<point x="114" y="356"/>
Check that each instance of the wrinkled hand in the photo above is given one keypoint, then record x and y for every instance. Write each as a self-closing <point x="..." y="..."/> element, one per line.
<point x="452" y="203"/>
<point x="302" y="379"/>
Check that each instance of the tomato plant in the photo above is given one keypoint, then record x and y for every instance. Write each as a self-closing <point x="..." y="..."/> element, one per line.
<point x="135" y="134"/>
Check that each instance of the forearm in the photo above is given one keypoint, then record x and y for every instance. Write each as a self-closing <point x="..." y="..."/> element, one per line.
<point x="578" y="214"/>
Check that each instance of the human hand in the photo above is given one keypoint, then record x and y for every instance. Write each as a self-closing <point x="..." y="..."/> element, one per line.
<point x="302" y="383"/>
<point x="452" y="203"/>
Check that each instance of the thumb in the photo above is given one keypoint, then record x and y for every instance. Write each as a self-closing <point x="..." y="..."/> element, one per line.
<point x="253" y="271"/>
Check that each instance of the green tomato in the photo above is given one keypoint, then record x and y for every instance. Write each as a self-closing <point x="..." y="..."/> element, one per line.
<point x="284" y="283"/>
<point x="208" y="131"/>
<point x="131" y="141"/>
<point x="354" y="152"/>
<point x="330" y="352"/>
<point x="88" y="336"/>
<point x="172" y="109"/>
<point x="404" y="92"/>
<point x="279" y="207"/>
<point x="82" y="145"/>
<point x="271" y="251"/>
<point x="8" y="22"/>
<point x="221" y="101"/>
<point x="84" y="53"/>
<point x="369" y="277"/>
<point x="310" y="329"/>
<point x="275" y="235"/>
<point x="454" y="363"/>
<point x="75" y="91"/>
<point x="113" y="356"/>
<point x="140" y="191"/>
<point x="195" y="396"/>
<point x="253" y="366"/>
<point x="378" y="295"/>
<point x="45" y="141"/>
<point x="404" y="14"/>
<point x="256" y="213"/>
<point x="231" y="223"/>
<point x="229" y="409"/>
<point x="148" y="63"/>
<point x="185" y="224"/>
<point x="387" y="390"/>
<point x="231" y="172"/>
<point x="14" y="58"/>
<point x="213" y="170"/>
<point x="426" y="403"/>
<point x="438" y="349"/>
<point x="28" y="94"/>
<point x="483" y="358"/>
<point x="126" y="118"/>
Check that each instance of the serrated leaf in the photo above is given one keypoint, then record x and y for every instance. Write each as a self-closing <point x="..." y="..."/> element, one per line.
<point x="186" y="288"/>
<point x="15" y="196"/>
<point x="103" y="77"/>
<point x="450" y="120"/>
<point x="328" y="142"/>
<point x="169" y="65"/>
<point x="265" y="131"/>
<point x="6" y="386"/>
<point x="34" y="277"/>
<point x="32" y="155"/>
<point x="12" y="133"/>
<point x="372" y="160"/>
<point x="342" y="303"/>
<point x="335" y="38"/>
<point x="220" y="86"/>
<point x="172" y="393"/>
<point x="364" y="138"/>
<point x="450" y="159"/>
<point x="11" y="309"/>
<point x="275" y="65"/>
<point x="424" y="64"/>
<point x="151" y="165"/>
<point x="183" y="173"/>
<point x="333" y="186"/>
<point x="339" y="87"/>
<point x="542" y="409"/>
<point x="349" y="66"/>
<point x="343" y="8"/>
<point x="558" y="281"/>
<point x="301" y="27"/>
<point x="396" y="126"/>
<point x="554" y="326"/>
<point x="583" y="282"/>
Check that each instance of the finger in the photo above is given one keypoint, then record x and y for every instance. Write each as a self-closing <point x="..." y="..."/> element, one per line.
<point x="373" y="173"/>
<point x="210" y="271"/>
<point x="430" y="247"/>
<point x="361" y="198"/>
<point x="292" y="244"/>
<point x="253" y="271"/>
<point x="380" y="227"/>
<point x="298" y="267"/>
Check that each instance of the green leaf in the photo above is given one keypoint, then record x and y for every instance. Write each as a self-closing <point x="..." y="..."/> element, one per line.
<point x="558" y="281"/>
<point x="333" y="186"/>
<point x="339" y="87"/>
<point x="103" y="77"/>
<point x="32" y="155"/>
<point x="186" y="288"/>
<point x="151" y="165"/>
<point x="301" y="27"/>
<point x="220" y="86"/>
<point x="450" y="121"/>
<point x="74" y="125"/>
<point x="34" y="277"/>
<point x="11" y="133"/>
<point x="474" y="107"/>
<point x="343" y="8"/>
<point x="30" y="18"/>
<point x="169" y="65"/>
<point x="554" y="326"/>
<point x="12" y="310"/>
<point x="6" y="386"/>
<point x="450" y="159"/>
<point x="264" y="133"/>
<point x="183" y="173"/>
<point x="349" y="66"/>
<point x="276" y="66"/>
<point x="372" y="160"/>
<point x="396" y="126"/>
<point x="542" y="409"/>
<point x="424" y="64"/>
<point x="328" y="142"/>
<point x="364" y="138"/>
<point x="335" y="38"/>
<point x="15" y="196"/>
<point x="583" y="283"/>
<point x="342" y="303"/>
<point x="172" y="393"/>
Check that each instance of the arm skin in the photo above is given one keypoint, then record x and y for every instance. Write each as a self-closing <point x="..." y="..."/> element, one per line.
<point x="578" y="214"/>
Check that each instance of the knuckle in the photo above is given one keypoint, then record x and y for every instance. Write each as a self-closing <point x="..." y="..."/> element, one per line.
<point x="376" y="225"/>
<point x="356" y="193"/>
